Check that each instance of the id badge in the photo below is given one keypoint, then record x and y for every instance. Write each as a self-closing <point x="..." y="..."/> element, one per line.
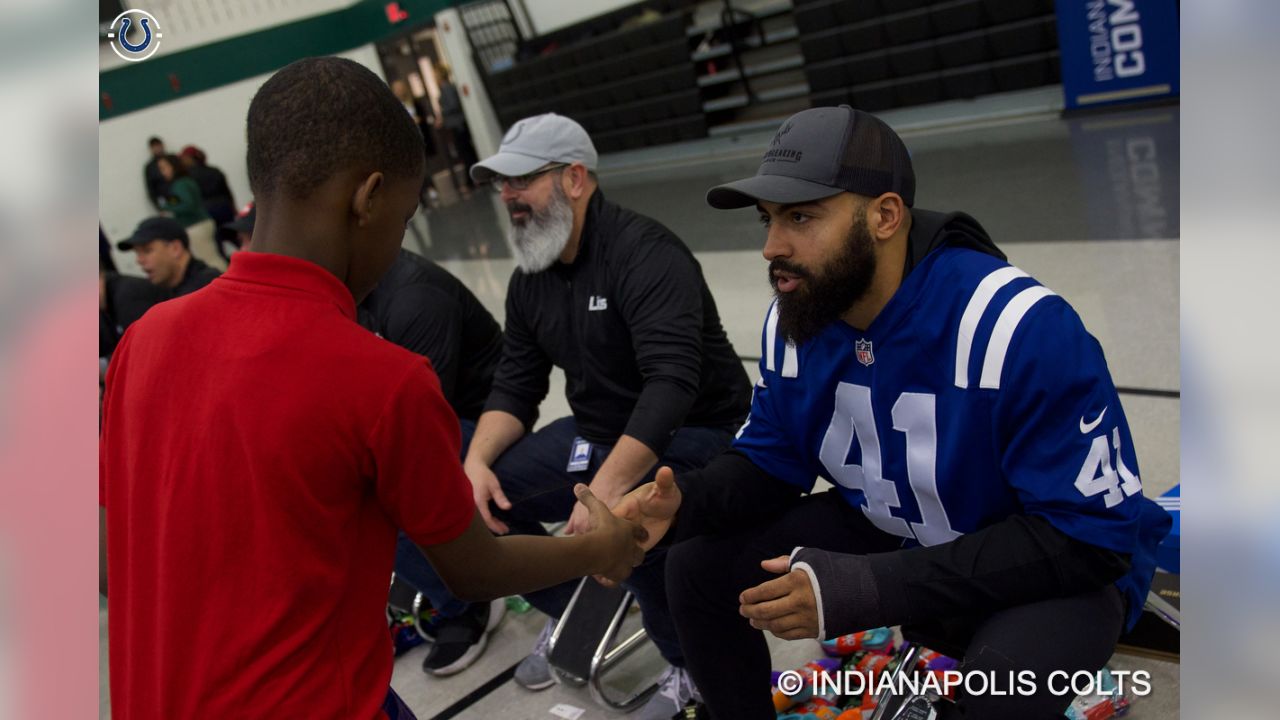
<point x="579" y="456"/>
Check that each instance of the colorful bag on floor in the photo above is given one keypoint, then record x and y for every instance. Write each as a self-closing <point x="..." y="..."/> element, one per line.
<point x="875" y="639"/>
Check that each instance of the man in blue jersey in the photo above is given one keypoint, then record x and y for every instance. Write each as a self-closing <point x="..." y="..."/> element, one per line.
<point x="986" y="491"/>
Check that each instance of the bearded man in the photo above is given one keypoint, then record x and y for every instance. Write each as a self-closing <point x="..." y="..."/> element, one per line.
<point x="986" y="492"/>
<point x="619" y="303"/>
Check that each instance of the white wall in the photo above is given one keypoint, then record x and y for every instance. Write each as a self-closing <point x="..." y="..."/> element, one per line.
<point x="551" y="15"/>
<point x="187" y="23"/>
<point x="212" y="120"/>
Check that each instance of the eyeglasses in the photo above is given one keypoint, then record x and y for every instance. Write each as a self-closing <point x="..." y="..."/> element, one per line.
<point x="522" y="182"/>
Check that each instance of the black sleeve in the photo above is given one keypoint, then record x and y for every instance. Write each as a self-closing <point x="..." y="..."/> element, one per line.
<point x="661" y="302"/>
<point x="730" y="493"/>
<point x="523" y="375"/>
<point x="1016" y="561"/>
<point x="429" y="323"/>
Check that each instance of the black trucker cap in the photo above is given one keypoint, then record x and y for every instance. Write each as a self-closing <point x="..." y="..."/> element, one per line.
<point x="821" y="152"/>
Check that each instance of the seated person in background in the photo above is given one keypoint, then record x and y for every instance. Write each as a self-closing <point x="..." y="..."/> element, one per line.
<point x="260" y="449"/>
<point x="163" y="251"/>
<point x="986" y="491"/>
<point x="122" y="299"/>
<point x="184" y="202"/>
<point x="215" y="193"/>
<point x="420" y="306"/>
<point x="242" y="228"/>
<point x="620" y="304"/>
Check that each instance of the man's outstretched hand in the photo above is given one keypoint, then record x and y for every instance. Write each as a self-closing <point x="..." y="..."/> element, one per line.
<point x="652" y="506"/>
<point x="621" y="543"/>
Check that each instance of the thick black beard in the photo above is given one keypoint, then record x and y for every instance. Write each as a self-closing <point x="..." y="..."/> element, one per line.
<point x="827" y="294"/>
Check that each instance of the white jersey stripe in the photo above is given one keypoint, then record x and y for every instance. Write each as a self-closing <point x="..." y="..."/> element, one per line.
<point x="770" y="337"/>
<point x="973" y="315"/>
<point x="790" y="361"/>
<point x="1002" y="335"/>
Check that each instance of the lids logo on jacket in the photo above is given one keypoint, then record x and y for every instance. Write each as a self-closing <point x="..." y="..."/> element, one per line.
<point x="597" y="302"/>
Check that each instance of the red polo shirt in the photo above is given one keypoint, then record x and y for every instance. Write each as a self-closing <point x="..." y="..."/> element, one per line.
<point x="258" y="451"/>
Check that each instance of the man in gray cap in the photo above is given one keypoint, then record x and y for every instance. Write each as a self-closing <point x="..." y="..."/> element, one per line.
<point x="986" y="492"/>
<point x="619" y="303"/>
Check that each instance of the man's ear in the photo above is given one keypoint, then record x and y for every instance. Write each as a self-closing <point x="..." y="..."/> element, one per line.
<point x="887" y="214"/>
<point x="366" y="198"/>
<point x="575" y="181"/>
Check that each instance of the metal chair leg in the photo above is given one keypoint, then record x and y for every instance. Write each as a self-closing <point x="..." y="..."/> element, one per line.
<point x="585" y="629"/>
<point x="605" y="659"/>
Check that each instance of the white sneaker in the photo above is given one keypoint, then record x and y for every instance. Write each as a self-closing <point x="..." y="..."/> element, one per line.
<point x="675" y="690"/>
<point x="534" y="672"/>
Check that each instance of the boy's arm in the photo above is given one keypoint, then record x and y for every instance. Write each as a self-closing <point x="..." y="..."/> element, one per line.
<point x="478" y="566"/>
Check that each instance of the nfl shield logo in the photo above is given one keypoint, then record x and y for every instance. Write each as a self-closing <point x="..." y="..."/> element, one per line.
<point x="863" y="350"/>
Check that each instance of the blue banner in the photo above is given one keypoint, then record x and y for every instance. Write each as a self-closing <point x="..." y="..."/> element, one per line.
<point x="1117" y="51"/>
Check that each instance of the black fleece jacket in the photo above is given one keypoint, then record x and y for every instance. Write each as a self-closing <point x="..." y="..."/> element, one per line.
<point x="635" y="329"/>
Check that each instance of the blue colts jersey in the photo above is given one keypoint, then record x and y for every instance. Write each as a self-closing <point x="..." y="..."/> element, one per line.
<point x="975" y="394"/>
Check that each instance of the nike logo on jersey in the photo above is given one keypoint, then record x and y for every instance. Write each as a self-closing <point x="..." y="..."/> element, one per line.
<point x="1086" y="428"/>
<point x="597" y="303"/>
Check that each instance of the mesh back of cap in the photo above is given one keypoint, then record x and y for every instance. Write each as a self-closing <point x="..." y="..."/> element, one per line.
<point x="876" y="161"/>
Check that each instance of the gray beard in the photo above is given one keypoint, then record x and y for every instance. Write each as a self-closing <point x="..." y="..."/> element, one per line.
<point x="543" y="237"/>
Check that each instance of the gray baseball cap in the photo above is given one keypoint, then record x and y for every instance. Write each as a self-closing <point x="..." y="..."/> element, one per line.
<point x="537" y="141"/>
<point x="822" y="152"/>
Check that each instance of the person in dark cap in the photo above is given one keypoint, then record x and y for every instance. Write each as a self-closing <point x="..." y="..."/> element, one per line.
<point x="242" y="226"/>
<point x="260" y="449"/>
<point x="163" y="251"/>
<point x="986" y="493"/>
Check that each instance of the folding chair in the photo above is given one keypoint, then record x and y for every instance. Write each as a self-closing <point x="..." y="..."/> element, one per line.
<point x="582" y="650"/>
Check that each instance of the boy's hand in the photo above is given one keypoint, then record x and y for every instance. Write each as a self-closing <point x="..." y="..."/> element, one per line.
<point x="619" y="542"/>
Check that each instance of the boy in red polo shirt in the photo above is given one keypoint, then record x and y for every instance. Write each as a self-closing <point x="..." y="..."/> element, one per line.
<point x="260" y="449"/>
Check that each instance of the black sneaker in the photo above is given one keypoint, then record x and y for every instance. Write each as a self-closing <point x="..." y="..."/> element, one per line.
<point x="462" y="640"/>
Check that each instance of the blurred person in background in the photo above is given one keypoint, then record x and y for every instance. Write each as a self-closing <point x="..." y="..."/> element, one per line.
<point x="151" y="175"/>
<point x="422" y="118"/>
<point x="214" y="191"/>
<point x="240" y="230"/>
<point x="122" y="299"/>
<point x="184" y="203"/>
<point x="162" y="248"/>
<point x="453" y="124"/>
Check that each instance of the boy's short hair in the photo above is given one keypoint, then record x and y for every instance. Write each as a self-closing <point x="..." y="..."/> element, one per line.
<point x="318" y="116"/>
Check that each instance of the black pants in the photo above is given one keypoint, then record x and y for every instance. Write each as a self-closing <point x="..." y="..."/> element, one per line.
<point x="730" y="662"/>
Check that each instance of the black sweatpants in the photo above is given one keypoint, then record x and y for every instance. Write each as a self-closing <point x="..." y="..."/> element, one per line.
<point x="730" y="663"/>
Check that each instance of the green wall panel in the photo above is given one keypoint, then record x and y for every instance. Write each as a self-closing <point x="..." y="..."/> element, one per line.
<point x="140" y="85"/>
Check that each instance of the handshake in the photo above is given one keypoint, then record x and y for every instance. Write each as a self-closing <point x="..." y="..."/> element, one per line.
<point x="649" y="509"/>
<point x="637" y="523"/>
<point x="615" y="539"/>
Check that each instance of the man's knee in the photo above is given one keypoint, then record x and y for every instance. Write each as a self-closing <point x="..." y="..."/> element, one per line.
<point x="1063" y="635"/>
